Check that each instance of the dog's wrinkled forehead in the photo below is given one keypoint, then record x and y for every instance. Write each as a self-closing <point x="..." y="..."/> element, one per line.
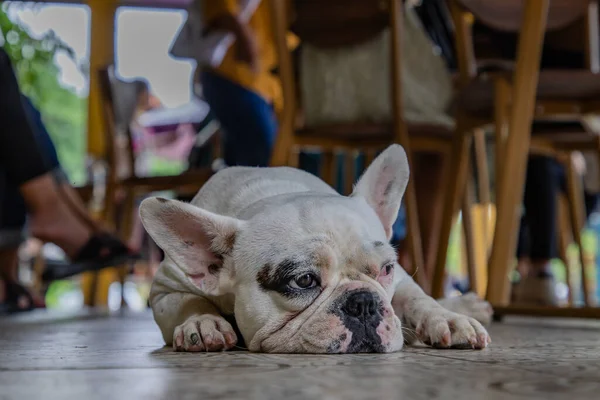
<point x="321" y="232"/>
<point x="333" y="216"/>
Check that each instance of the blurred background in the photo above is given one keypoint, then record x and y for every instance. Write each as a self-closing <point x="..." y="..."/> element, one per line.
<point x="171" y="130"/>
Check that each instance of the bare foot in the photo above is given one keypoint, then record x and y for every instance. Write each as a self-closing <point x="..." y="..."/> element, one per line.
<point x="470" y="305"/>
<point x="78" y="208"/>
<point x="51" y="220"/>
<point x="61" y="227"/>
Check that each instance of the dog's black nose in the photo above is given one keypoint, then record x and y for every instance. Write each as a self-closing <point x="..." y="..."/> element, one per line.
<point x="362" y="305"/>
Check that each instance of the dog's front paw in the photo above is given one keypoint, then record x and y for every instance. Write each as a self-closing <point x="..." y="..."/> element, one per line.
<point x="470" y="305"/>
<point x="204" y="333"/>
<point x="446" y="329"/>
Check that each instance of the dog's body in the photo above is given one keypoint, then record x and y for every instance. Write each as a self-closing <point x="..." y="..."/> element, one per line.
<point x="302" y="268"/>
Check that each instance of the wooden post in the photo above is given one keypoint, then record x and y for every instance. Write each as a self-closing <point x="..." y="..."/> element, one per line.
<point x="101" y="54"/>
<point x="95" y="285"/>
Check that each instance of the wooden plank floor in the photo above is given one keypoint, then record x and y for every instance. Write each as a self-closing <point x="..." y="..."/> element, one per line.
<point x="121" y="357"/>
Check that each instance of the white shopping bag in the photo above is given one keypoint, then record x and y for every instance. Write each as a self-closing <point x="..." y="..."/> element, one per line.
<point x="208" y="50"/>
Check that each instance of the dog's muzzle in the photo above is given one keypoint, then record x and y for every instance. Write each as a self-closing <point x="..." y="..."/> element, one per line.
<point x="361" y="313"/>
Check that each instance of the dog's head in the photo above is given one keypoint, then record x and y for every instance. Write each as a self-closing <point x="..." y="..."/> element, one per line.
<point x="314" y="275"/>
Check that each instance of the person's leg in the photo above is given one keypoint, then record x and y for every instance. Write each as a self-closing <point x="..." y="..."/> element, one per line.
<point x="247" y="120"/>
<point x="48" y="152"/>
<point x="591" y="203"/>
<point x="41" y="134"/>
<point x="12" y="218"/>
<point x="523" y="246"/>
<point x="12" y="223"/>
<point x="541" y="201"/>
<point x="543" y="183"/>
<point x="51" y="220"/>
<point x="17" y="140"/>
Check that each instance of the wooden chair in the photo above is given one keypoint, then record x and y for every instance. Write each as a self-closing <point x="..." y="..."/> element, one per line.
<point x="510" y="99"/>
<point x="133" y="186"/>
<point x="336" y="24"/>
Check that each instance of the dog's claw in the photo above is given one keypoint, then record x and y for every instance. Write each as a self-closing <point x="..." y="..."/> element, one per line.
<point x="446" y="329"/>
<point x="194" y="338"/>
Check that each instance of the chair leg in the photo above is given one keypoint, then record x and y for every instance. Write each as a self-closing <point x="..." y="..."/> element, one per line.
<point x="469" y="237"/>
<point x="349" y="171"/>
<point x="39" y="264"/>
<point x="89" y="288"/>
<point x="483" y="178"/>
<point x="328" y="167"/>
<point x="563" y="244"/>
<point x="501" y="118"/>
<point x="576" y="213"/>
<point x="510" y="186"/>
<point x="456" y="179"/>
<point x="125" y="233"/>
<point x="413" y="237"/>
<point x="281" y="149"/>
<point x="481" y="165"/>
<point x="294" y="158"/>
<point x="369" y="156"/>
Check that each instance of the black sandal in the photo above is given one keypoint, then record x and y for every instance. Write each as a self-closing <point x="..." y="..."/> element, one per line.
<point x="17" y="299"/>
<point x="101" y="251"/>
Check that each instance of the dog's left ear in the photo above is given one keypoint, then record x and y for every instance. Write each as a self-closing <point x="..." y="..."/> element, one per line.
<point x="383" y="185"/>
<point x="195" y="239"/>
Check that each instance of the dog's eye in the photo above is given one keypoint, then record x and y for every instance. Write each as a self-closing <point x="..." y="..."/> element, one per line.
<point x="305" y="281"/>
<point x="387" y="269"/>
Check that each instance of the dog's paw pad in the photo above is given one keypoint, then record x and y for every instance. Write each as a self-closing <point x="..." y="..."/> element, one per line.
<point x="204" y="333"/>
<point x="445" y="330"/>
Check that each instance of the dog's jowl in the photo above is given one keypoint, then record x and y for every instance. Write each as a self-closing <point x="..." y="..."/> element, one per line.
<point x="299" y="267"/>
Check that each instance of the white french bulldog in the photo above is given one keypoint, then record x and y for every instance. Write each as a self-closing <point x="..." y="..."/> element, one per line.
<point x="302" y="268"/>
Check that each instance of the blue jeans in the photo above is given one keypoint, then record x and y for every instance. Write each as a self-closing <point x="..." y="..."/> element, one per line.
<point x="250" y="127"/>
<point x="248" y="122"/>
<point x="13" y="212"/>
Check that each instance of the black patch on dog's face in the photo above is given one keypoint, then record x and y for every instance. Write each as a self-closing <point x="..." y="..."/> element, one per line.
<point x="378" y="244"/>
<point x="264" y="277"/>
<point x="364" y="330"/>
<point x="277" y="278"/>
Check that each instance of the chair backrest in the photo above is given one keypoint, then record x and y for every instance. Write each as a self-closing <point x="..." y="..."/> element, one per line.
<point x="506" y="15"/>
<point x="338" y="23"/>
<point x="333" y="24"/>
<point x="115" y="125"/>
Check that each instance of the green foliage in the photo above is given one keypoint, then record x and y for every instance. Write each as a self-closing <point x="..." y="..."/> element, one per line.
<point x="63" y="111"/>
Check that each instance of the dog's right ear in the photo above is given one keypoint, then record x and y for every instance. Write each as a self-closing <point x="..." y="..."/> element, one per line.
<point x="195" y="239"/>
<point x="383" y="185"/>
